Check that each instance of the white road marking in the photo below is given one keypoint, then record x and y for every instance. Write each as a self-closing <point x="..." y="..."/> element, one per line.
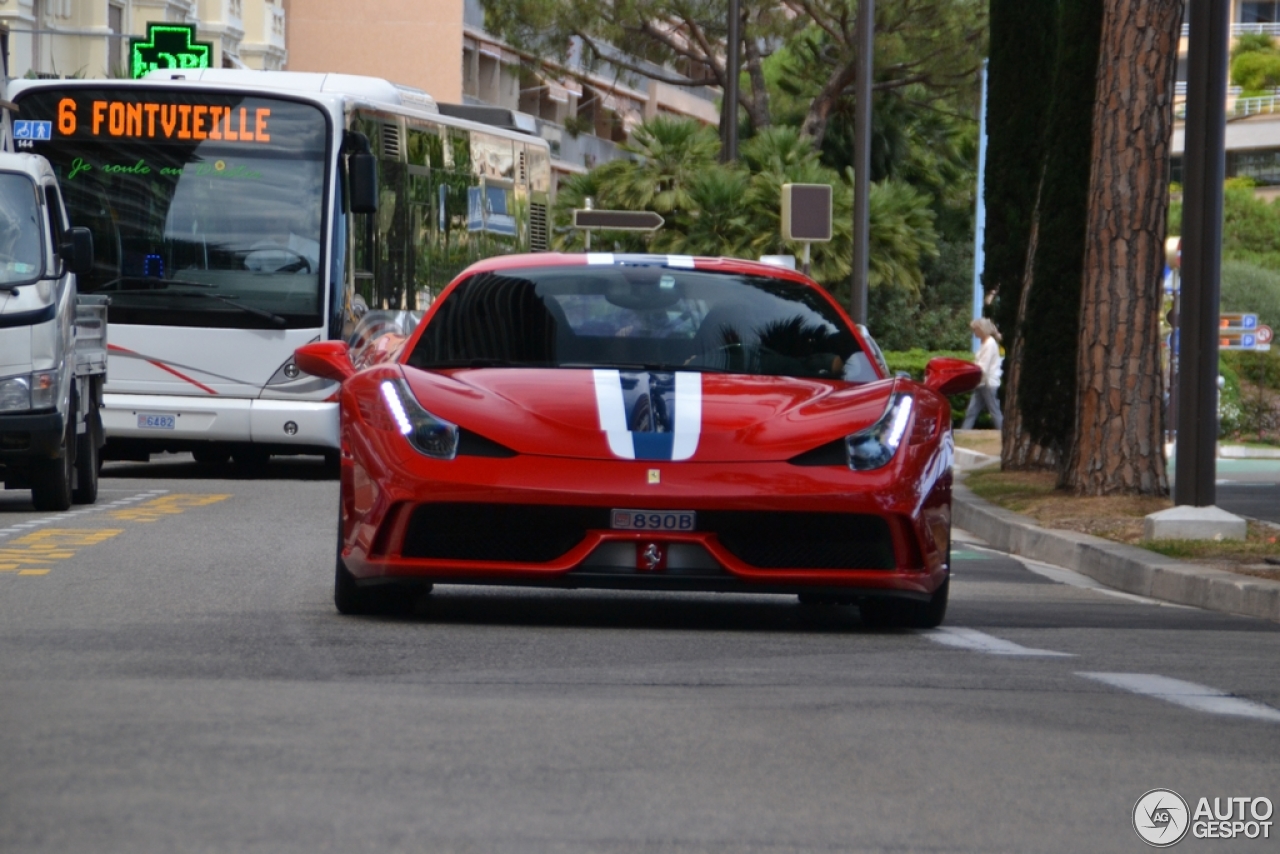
<point x="22" y="527"/>
<point x="1069" y="577"/>
<point x="1202" y="698"/>
<point x="977" y="641"/>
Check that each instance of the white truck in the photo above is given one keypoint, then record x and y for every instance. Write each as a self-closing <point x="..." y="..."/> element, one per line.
<point x="53" y="343"/>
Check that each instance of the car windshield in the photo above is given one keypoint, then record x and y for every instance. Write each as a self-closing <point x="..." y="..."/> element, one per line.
<point x="19" y="229"/>
<point x="641" y="317"/>
<point x="191" y="193"/>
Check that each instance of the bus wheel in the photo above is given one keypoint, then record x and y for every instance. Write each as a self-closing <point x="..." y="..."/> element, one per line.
<point x="213" y="455"/>
<point x="250" y="457"/>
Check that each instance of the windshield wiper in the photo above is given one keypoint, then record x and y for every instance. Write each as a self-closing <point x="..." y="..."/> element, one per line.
<point x="159" y="284"/>
<point x="649" y="367"/>
<point x="476" y="363"/>
<point x="230" y="299"/>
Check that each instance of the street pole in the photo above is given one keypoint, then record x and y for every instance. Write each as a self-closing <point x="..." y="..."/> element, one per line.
<point x="980" y="208"/>
<point x="732" y="70"/>
<point x="865" y="37"/>
<point x="1204" y="166"/>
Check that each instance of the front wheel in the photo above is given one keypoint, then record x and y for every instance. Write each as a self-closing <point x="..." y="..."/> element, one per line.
<point x="907" y="614"/>
<point x="51" y="478"/>
<point x="87" y="464"/>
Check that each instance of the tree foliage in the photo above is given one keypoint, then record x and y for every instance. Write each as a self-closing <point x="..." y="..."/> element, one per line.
<point x="1050" y="328"/>
<point x="933" y="44"/>
<point x="1020" y="72"/>
<point x="712" y="208"/>
<point x="1255" y="63"/>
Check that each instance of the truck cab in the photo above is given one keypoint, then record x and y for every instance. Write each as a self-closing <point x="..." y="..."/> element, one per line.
<point x="52" y="342"/>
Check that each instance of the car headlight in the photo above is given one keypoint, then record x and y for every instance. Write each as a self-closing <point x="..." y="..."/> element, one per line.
<point x="875" y="446"/>
<point x="29" y="391"/>
<point x="429" y="435"/>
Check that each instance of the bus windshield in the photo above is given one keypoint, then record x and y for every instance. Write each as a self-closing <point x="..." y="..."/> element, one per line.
<point x="206" y="208"/>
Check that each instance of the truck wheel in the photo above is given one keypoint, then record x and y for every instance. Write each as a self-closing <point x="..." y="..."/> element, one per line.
<point x="88" y="465"/>
<point x="51" y="479"/>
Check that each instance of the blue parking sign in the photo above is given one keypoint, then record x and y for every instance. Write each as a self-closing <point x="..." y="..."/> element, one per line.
<point x="1249" y="321"/>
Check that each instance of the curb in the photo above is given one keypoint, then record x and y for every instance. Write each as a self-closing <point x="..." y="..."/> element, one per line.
<point x="1123" y="567"/>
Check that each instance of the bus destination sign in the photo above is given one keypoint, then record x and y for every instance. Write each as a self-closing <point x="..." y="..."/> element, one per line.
<point x="143" y="119"/>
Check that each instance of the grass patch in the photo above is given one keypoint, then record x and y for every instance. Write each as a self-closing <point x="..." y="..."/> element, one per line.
<point x="1120" y="518"/>
<point x="1014" y="490"/>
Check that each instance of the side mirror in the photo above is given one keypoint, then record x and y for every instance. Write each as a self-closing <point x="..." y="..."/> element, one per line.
<point x="77" y="252"/>
<point x="330" y="360"/>
<point x="951" y="376"/>
<point x="362" y="182"/>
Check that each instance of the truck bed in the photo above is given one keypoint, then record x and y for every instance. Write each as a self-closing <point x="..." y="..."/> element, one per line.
<point x="91" y="335"/>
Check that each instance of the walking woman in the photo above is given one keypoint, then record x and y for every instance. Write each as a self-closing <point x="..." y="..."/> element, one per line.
<point x="989" y="359"/>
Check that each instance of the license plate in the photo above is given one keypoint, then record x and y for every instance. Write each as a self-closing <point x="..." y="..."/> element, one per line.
<point x="157" y="422"/>
<point x="654" y="520"/>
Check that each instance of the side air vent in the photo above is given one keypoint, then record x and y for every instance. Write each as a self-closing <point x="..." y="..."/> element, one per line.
<point x="391" y="140"/>
<point x="538" y="227"/>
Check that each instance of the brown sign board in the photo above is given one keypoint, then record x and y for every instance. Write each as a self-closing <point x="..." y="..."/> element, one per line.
<point x="806" y="212"/>
<point x="617" y="220"/>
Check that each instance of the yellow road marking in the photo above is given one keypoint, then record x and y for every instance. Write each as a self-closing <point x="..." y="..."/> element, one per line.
<point x="32" y="553"/>
<point x="167" y="505"/>
<point x="39" y="548"/>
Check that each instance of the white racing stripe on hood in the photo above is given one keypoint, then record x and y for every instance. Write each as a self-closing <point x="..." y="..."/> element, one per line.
<point x="686" y="428"/>
<point x="613" y="413"/>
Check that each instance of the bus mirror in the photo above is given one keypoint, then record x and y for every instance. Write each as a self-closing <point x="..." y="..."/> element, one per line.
<point x="77" y="252"/>
<point x="362" y="172"/>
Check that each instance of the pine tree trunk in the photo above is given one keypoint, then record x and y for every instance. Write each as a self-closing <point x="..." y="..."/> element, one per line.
<point x="1018" y="451"/>
<point x="1118" y="446"/>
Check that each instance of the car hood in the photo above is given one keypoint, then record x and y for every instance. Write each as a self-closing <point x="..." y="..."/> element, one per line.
<point x="648" y="415"/>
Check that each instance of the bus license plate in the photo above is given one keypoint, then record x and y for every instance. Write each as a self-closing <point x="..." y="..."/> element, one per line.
<point x="157" y="422"/>
<point x="654" y="520"/>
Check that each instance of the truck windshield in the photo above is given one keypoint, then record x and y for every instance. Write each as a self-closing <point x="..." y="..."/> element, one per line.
<point x="20" y="230"/>
<point x="206" y="208"/>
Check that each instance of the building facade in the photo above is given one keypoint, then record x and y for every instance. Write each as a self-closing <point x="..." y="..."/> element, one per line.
<point x="90" y="38"/>
<point x="441" y="46"/>
<point x="1253" y="118"/>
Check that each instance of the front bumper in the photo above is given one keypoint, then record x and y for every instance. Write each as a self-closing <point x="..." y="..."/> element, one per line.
<point x="896" y="540"/>
<point x="299" y="423"/>
<point x="29" y="435"/>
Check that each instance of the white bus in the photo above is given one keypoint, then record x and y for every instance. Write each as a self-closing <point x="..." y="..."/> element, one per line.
<point x="237" y="215"/>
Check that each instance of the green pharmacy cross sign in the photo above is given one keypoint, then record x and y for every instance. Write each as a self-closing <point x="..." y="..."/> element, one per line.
<point x="168" y="46"/>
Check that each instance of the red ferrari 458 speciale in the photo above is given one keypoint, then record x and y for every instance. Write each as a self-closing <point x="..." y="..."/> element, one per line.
<point x="645" y="422"/>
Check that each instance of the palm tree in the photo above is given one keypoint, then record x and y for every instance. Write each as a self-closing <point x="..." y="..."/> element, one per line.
<point x="668" y="153"/>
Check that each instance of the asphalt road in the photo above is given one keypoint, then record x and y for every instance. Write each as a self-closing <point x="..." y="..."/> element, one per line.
<point x="173" y="678"/>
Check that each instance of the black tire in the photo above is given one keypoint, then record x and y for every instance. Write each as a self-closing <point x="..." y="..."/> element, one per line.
<point x="213" y="455"/>
<point x="385" y="599"/>
<point x="51" y="478"/>
<point x="88" y="464"/>
<point x="347" y="597"/>
<point x="905" y="613"/>
<point x="250" y="457"/>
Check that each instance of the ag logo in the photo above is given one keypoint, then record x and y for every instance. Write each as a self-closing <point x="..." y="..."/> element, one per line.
<point x="1161" y="818"/>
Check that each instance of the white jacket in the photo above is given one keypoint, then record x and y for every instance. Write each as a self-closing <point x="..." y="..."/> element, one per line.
<point x="989" y="360"/>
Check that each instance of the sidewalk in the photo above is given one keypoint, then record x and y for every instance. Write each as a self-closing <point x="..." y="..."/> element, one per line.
<point x="1123" y="567"/>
